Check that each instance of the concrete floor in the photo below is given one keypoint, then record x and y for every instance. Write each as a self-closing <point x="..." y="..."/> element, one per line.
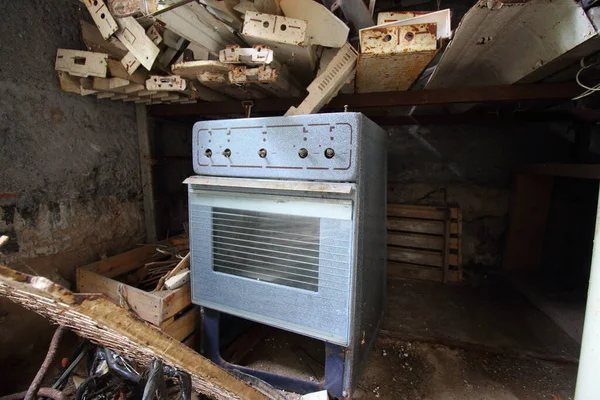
<point x="444" y="342"/>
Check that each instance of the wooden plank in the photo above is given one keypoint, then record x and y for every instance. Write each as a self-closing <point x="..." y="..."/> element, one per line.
<point x="122" y="263"/>
<point x="182" y="327"/>
<point x="446" y="251"/>
<point x="421" y="257"/>
<point x="174" y="301"/>
<point x="190" y="341"/>
<point x="145" y="141"/>
<point x="458" y="237"/>
<point x="528" y="215"/>
<point x="99" y="320"/>
<point x="402" y="270"/>
<point x="144" y="304"/>
<point x="116" y="70"/>
<point x="416" y="240"/>
<point x="109" y="84"/>
<point x="420" y="226"/>
<point x="421" y="212"/>
<point x="364" y="101"/>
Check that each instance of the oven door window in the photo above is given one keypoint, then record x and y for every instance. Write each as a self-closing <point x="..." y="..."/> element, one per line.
<point x="276" y="248"/>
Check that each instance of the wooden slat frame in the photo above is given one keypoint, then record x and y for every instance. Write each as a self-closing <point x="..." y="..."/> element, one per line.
<point x="424" y="242"/>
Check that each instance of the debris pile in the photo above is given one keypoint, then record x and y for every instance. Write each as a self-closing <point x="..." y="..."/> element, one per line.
<point x="182" y="51"/>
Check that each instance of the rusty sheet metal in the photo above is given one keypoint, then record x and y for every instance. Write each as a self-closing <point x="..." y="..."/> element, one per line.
<point x="393" y="16"/>
<point x="165" y="83"/>
<point x="277" y="82"/>
<point x="390" y="72"/>
<point x="399" y="39"/>
<point x="190" y="69"/>
<point x="219" y="81"/>
<point x="254" y="55"/>
<point x="274" y="28"/>
<point x="243" y="74"/>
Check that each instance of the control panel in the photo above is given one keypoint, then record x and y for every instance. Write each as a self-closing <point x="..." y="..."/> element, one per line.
<point x="299" y="147"/>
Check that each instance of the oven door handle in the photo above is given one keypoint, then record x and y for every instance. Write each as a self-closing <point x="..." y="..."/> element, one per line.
<point x="272" y="184"/>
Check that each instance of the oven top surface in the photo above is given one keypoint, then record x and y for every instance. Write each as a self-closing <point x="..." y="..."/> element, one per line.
<point x="314" y="147"/>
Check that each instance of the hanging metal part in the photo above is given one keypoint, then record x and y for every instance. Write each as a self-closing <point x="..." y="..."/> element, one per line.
<point x="248" y="107"/>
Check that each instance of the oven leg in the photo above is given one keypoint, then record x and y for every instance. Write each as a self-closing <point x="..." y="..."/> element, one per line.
<point x="335" y="358"/>
<point x="334" y="363"/>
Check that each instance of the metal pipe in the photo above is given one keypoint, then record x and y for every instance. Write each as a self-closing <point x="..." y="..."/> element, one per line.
<point x="588" y="384"/>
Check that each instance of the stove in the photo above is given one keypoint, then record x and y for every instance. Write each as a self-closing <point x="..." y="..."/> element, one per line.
<point x="288" y="228"/>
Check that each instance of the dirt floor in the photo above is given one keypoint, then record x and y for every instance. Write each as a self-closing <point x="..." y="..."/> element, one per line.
<point x="446" y="343"/>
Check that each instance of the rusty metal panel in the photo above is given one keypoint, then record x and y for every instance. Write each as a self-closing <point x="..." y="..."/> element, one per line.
<point x="219" y="81"/>
<point x="276" y="81"/>
<point x="165" y="83"/>
<point x="190" y="69"/>
<point x="254" y="55"/>
<point x="274" y="28"/>
<point x="243" y="74"/>
<point x="390" y="72"/>
<point x="441" y="18"/>
<point x="393" y="16"/>
<point x="399" y="39"/>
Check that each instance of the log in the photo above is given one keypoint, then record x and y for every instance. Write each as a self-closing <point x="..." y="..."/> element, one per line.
<point x="96" y="318"/>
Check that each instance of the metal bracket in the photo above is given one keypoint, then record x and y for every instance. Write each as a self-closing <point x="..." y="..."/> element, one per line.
<point x="248" y="104"/>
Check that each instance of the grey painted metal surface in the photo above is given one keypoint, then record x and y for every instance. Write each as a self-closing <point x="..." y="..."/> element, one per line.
<point x="503" y="43"/>
<point x="346" y="305"/>
<point x="283" y="140"/>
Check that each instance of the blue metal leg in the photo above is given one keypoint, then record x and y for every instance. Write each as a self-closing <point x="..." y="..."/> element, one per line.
<point x="334" y="363"/>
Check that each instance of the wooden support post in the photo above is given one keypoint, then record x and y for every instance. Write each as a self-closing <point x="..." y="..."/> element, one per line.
<point x="145" y="139"/>
<point x="446" y="266"/>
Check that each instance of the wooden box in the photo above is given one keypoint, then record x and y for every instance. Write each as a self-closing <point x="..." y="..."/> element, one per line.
<point x="170" y="310"/>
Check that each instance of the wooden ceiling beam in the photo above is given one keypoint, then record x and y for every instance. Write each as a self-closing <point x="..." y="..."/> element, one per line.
<point x="365" y="101"/>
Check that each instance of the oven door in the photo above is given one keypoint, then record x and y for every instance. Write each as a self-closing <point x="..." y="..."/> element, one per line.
<point x="274" y="257"/>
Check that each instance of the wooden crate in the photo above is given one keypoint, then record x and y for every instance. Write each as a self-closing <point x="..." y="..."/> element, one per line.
<point x="424" y="242"/>
<point x="170" y="310"/>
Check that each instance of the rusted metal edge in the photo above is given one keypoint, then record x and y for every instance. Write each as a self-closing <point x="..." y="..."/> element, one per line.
<point x="363" y="101"/>
<point x="96" y="318"/>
